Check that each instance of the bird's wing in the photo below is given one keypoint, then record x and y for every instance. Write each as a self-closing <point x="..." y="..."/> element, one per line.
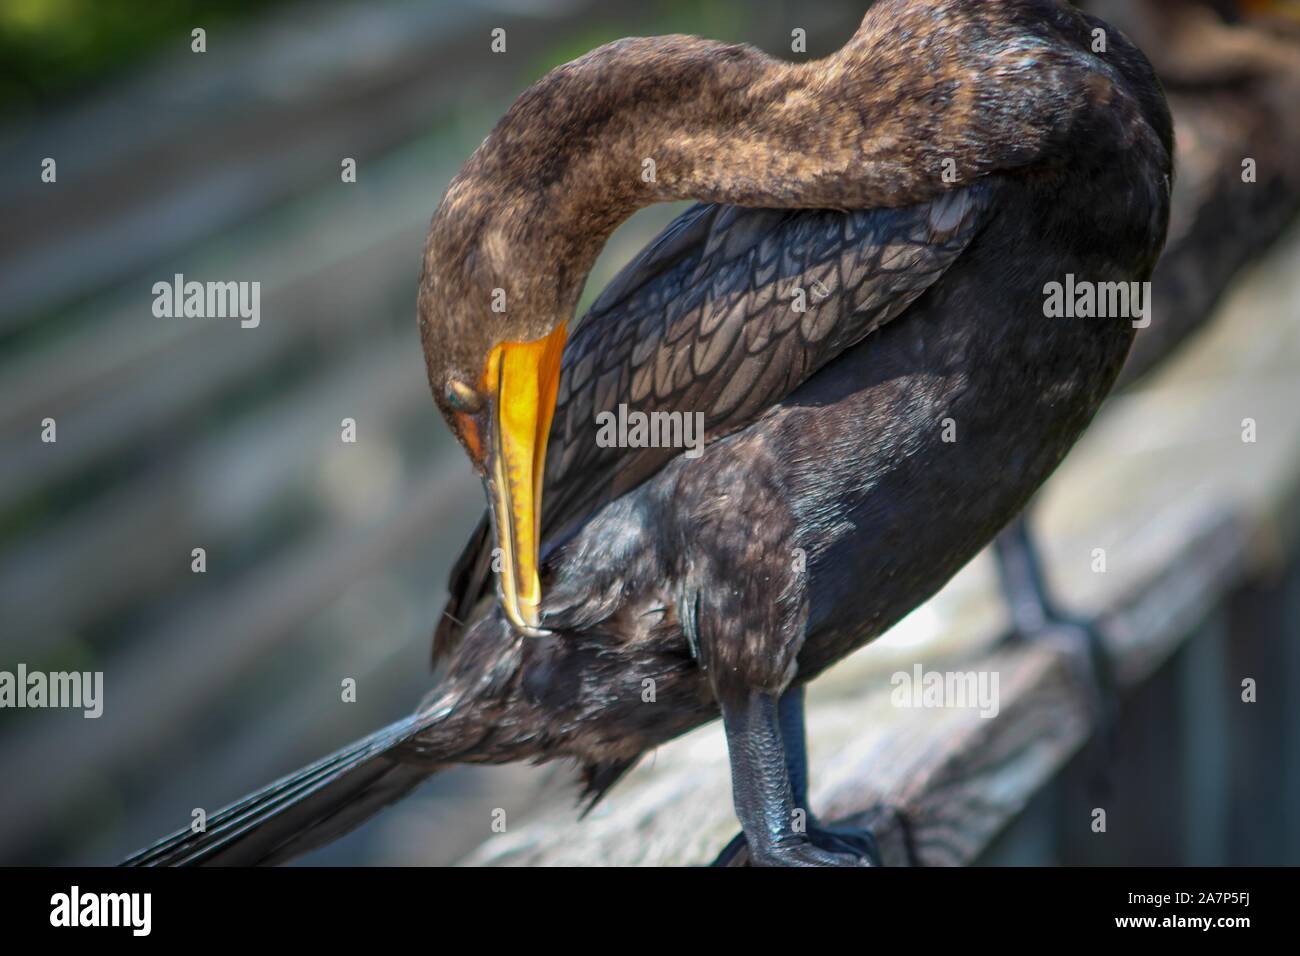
<point x="725" y="313"/>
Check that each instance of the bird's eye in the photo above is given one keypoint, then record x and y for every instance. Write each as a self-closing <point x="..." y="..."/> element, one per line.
<point x="462" y="398"/>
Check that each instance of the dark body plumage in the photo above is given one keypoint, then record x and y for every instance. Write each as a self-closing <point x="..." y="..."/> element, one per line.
<point x="830" y="448"/>
<point x="852" y="467"/>
<point x="1233" y="85"/>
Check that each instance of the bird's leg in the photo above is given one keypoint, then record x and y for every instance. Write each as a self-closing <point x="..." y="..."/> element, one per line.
<point x="777" y="829"/>
<point x="1035" y="616"/>
<point x="794" y="737"/>
<point x="861" y="843"/>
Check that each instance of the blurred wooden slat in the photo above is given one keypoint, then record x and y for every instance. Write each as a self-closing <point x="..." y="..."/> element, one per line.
<point x="160" y="373"/>
<point x="224" y="633"/>
<point x="218" y="491"/>
<point x="180" y="152"/>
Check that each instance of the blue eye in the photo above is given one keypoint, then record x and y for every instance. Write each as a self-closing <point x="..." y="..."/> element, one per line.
<point x="462" y="398"/>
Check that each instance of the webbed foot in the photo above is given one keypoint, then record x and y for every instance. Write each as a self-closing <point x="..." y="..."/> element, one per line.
<point x="824" y="846"/>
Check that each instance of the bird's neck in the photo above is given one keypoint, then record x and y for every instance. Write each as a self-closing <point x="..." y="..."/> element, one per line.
<point x="650" y="120"/>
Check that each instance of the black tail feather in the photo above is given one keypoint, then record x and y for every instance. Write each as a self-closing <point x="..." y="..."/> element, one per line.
<point x="301" y="811"/>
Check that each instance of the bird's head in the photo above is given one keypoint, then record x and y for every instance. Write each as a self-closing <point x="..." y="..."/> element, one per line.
<point x="493" y="326"/>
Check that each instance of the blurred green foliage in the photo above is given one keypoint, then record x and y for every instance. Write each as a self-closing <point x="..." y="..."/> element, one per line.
<point x="50" y="48"/>
<point x="718" y="19"/>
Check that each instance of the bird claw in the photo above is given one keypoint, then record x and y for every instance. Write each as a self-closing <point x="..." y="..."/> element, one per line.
<point x="821" y="846"/>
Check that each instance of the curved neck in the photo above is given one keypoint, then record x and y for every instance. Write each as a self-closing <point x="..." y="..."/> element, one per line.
<point x="910" y="107"/>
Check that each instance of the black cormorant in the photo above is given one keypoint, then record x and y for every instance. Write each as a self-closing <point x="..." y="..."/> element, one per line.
<point x="917" y="192"/>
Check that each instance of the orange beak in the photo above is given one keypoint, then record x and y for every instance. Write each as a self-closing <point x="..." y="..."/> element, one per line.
<point x="523" y="378"/>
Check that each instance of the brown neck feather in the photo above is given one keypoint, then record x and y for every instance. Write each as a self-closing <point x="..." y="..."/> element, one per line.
<point x="919" y="92"/>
